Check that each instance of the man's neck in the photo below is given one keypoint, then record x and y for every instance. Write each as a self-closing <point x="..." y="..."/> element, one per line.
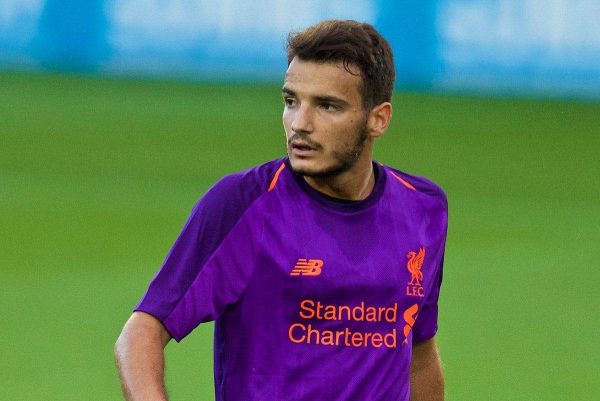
<point x="355" y="184"/>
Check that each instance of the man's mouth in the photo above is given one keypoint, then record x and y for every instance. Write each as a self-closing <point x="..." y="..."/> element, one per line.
<point x="301" y="146"/>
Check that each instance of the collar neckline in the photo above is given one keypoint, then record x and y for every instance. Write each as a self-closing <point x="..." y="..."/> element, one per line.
<point x="343" y="205"/>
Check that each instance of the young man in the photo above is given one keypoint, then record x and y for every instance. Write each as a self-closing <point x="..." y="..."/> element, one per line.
<point x="322" y="270"/>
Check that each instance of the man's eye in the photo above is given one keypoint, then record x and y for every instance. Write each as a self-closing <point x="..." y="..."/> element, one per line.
<point x="329" y="107"/>
<point x="288" y="101"/>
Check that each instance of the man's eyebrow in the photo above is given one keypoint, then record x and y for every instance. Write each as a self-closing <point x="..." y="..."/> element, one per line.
<point x="330" y="99"/>
<point x="318" y="98"/>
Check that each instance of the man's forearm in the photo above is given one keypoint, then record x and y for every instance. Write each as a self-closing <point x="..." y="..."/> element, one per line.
<point x="426" y="376"/>
<point x="140" y="359"/>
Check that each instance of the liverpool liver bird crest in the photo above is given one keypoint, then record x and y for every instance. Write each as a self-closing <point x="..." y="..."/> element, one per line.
<point x="415" y="262"/>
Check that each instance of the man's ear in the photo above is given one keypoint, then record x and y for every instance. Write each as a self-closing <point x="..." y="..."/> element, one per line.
<point x="379" y="119"/>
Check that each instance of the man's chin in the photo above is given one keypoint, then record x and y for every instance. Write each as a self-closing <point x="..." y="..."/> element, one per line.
<point x="310" y="168"/>
<point x="304" y="166"/>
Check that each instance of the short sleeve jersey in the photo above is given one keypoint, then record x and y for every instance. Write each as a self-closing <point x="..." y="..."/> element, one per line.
<point x="313" y="298"/>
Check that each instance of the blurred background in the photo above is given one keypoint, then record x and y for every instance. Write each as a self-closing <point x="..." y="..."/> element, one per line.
<point x="116" y="116"/>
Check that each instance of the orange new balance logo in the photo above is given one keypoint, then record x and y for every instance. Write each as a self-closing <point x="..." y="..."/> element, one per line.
<point x="310" y="267"/>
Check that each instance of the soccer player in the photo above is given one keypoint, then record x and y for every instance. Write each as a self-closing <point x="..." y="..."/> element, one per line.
<point x="321" y="269"/>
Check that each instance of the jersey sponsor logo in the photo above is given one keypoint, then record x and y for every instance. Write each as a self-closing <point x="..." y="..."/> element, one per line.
<point x="414" y="265"/>
<point x="335" y="325"/>
<point x="310" y="267"/>
<point x="320" y="323"/>
<point x="410" y="316"/>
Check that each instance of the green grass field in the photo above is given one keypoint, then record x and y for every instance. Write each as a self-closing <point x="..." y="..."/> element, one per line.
<point x="97" y="177"/>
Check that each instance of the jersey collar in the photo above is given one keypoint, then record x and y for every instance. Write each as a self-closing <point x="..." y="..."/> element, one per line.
<point x="343" y="205"/>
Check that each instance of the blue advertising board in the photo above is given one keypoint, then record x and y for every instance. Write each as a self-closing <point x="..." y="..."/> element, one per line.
<point x="511" y="46"/>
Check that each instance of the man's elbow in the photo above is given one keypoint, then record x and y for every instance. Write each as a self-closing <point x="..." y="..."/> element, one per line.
<point x="142" y="328"/>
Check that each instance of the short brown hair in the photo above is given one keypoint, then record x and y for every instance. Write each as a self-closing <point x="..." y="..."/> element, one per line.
<point x="355" y="44"/>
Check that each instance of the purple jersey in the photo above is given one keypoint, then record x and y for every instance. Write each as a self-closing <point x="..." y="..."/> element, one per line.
<point x="314" y="298"/>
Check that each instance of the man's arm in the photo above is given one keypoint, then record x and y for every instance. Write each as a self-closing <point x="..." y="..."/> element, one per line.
<point x="426" y="378"/>
<point x="140" y="358"/>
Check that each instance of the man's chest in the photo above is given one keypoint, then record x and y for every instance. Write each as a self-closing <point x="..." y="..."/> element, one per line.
<point x="330" y="281"/>
<point x="369" y="256"/>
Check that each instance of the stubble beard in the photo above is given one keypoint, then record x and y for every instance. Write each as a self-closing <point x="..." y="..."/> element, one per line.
<point x="344" y="159"/>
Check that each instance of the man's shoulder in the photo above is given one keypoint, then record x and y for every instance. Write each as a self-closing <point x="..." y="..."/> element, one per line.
<point x="240" y="189"/>
<point x="418" y="184"/>
<point x="252" y="181"/>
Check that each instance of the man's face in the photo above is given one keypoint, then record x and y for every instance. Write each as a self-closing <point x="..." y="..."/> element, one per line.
<point x="324" y="118"/>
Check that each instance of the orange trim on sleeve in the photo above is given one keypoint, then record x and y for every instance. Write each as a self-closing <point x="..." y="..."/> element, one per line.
<point x="276" y="177"/>
<point x="406" y="183"/>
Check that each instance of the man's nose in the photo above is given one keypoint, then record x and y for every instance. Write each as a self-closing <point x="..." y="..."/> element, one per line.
<point x="302" y="120"/>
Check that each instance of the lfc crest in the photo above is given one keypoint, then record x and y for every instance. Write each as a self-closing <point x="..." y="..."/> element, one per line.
<point x="414" y="265"/>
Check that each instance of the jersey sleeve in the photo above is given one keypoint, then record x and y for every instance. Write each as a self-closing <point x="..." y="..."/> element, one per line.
<point x="426" y="324"/>
<point x="208" y="266"/>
